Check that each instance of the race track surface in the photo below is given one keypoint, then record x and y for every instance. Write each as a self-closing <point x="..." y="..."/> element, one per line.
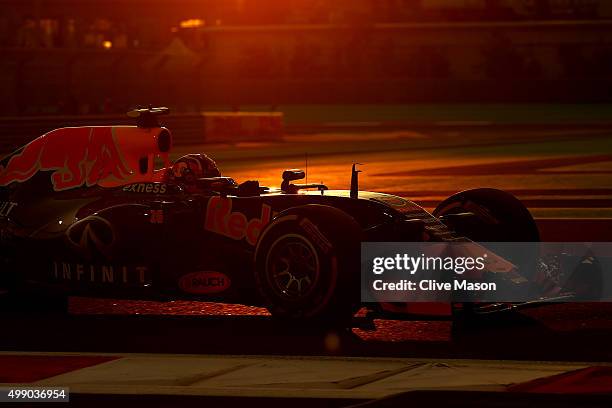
<point x="558" y="173"/>
<point x="571" y="332"/>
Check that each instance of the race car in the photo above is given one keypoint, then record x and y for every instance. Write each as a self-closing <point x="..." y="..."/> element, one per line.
<point x="101" y="211"/>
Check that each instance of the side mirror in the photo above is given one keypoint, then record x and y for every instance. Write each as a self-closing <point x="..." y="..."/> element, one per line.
<point x="291" y="175"/>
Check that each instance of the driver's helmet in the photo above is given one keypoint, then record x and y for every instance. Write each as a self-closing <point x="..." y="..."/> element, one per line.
<point x="194" y="166"/>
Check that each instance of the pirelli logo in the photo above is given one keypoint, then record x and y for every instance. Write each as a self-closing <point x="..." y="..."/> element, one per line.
<point x="313" y="232"/>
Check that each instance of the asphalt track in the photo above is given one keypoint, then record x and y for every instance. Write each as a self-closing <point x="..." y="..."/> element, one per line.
<point x="571" y="332"/>
<point x="556" y="172"/>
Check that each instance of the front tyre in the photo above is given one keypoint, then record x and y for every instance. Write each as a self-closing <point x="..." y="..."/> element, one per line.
<point x="307" y="264"/>
<point x="496" y="216"/>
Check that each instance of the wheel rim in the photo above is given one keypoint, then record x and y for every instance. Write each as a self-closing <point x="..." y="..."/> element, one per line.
<point x="292" y="268"/>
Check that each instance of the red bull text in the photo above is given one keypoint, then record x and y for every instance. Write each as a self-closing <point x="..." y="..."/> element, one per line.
<point x="76" y="156"/>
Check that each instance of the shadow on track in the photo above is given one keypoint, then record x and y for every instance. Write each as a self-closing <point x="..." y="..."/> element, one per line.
<point x="512" y="337"/>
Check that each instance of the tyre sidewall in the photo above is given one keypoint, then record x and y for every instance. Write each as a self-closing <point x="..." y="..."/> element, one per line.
<point x="334" y="237"/>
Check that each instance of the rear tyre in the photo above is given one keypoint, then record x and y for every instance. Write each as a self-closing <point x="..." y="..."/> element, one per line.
<point x="14" y="298"/>
<point x="31" y="303"/>
<point x="307" y="265"/>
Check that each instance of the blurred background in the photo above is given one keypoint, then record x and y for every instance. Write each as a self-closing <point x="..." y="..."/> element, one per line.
<point x="86" y="57"/>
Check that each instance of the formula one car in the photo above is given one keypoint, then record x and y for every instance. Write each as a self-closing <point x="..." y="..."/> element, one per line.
<point x="101" y="211"/>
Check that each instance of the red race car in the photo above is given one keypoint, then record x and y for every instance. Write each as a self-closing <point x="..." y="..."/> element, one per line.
<point x="101" y="211"/>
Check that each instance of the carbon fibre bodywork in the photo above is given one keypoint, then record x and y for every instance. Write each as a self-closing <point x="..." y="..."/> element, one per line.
<point x="116" y="242"/>
<point x="83" y="211"/>
<point x="82" y="214"/>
